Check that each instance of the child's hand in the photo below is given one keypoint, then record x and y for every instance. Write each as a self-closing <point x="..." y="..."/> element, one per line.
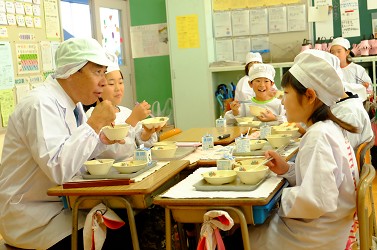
<point x="278" y="164"/>
<point x="140" y="112"/>
<point x="267" y="116"/>
<point x="235" y="106"/>
<point x="147" y="133"/>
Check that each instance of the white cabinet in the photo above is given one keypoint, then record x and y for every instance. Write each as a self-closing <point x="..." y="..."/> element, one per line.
<point x="192" y="94"/>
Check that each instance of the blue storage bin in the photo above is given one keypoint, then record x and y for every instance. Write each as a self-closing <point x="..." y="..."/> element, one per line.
<point x="261" y="213"/>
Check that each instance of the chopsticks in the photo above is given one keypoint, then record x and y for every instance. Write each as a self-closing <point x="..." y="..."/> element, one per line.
<point x="97" y="183"/>
<point x="100" y="99"/>
<point x="279" y="150"/>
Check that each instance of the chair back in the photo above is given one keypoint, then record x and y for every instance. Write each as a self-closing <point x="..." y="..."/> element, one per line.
<point x="365" y="207"/>
<point x="363" y="154"/>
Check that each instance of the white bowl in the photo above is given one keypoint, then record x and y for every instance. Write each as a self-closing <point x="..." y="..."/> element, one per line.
<point x="155" y="122"/>
<point x="252" y="162"/>
<point x="293" y="131"/>
<point x="255" y="110"/>
<point x="279" y="140"/>
<point x="253" y="124"/>
<point x="127" y="167"/>
<point x="219" y="177"/>
<point x="99" y="166"/>
<point x="251" y="175"/>
<point x="245" y="119"/>
<point x="118" y="132"/>
<point x="165" y="151"/>
<point x="165" y="143"/>
<point x="257" y="144"/>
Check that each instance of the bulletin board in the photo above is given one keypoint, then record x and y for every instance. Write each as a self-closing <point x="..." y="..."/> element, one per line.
<point x="275" y="28"/>
<point x="30" y="33"/>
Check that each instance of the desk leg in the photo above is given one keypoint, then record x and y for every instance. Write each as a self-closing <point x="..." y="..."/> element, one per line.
<point x="168" y="228"/>
<point x="130" y="214"/>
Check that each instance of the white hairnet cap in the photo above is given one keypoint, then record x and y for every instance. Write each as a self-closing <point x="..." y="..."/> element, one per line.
<point x="341" y="42"/>
<point x="262" y="70"/>
<point x="114" y="62"/>
<point x="315" y="70"/>
<point x="74" y="53"/>
<point x="253" y="57"/>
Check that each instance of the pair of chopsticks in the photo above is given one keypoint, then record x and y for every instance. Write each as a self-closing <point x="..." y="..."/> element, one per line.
<point x="100" y="99"/>
<point x="97" y="183"/>
<point x="279" y="150"/>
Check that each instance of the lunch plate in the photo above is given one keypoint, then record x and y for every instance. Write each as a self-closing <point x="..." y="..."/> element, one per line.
<point x="114" y="174"/>
<point x="235" y="185"/>
<point x="179" y="154"/>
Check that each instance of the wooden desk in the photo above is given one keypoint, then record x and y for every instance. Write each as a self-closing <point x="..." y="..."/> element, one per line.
<point x="191" y="210"/>
<point x="196" y="134"/>
<point x="137" y="195"/>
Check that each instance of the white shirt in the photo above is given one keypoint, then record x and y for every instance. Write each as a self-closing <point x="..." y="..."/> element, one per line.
<point x="356" y="74"/>
<point x="352" y="111"/>
<point x="133" y="140"/>
<point x="317" y="209"/>
<point x="243" y="90"/>
<point x="274" y="105"/>
<point x="43" y="147"/>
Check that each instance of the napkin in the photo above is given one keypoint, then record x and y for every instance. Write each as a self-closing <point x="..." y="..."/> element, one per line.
<point x="209" y="234"/>
<point x="97" y="221"/>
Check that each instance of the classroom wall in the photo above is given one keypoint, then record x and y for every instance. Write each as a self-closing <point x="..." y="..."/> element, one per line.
<point x="152" y="74"/>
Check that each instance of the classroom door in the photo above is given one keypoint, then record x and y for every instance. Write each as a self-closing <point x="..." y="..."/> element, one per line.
<point x="111" y="29"/>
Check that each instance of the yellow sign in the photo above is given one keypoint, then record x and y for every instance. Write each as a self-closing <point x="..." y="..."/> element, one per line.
<point x="244" y="4"/>
<point x="188" y="31"/>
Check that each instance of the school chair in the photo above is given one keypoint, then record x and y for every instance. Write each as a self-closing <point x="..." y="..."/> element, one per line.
<point x="365" y="208"/>
<point x="363" y="153"/>
<point x="169" y="133"/>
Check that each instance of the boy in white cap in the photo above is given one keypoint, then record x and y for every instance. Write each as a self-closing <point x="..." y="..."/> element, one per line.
<point x="317" y="209"/>
<point x="46" y="144"/>
<point x="261" y="80"/>
<point x="137" y="134"/>
<point x="352" y="72"/>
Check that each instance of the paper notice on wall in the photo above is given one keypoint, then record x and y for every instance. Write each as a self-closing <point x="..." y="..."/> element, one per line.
<point x="350" y="21"/>
<point x="27" y="58"/>
<point x="149" y="40"/>
<point x="188" y="31"/>
<point x="51" y="11"/>
<point x="324" y="27"/>
<point x="6" y="66"/>
<point x="6" y="105"/>
<point x="372" y="4"/>
<point x="46" y="56"/>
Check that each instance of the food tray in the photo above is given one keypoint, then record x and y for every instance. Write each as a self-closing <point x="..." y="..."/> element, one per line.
<point x="235" y="185"/>
<point x="179" y="154"/>
<point x="114" y="174"/>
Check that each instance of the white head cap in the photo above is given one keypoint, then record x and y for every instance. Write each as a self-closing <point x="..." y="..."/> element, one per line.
<point x="74" y="53"/>
<point x="262" y="70"/>
<point x="341" y="42"/>
<point x="317" y="70"/>
<point x="114" y="62"/>
<point x="253" y="57"/>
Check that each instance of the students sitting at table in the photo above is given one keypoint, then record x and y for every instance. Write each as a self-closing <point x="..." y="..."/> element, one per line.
<point x="47" y="141"/>
<point x="318" y="208"/>
<point x="137" y="134"/>
<point x="261" y="79"/>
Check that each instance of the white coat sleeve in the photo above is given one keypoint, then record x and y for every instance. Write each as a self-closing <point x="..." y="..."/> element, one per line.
<point x="318" y="193"/>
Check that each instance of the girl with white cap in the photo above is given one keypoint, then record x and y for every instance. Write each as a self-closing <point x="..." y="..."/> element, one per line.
<point x="137" y="134"/>
<point x="352" y="72"/>
<point x="261" y="80"/>
<point x="318" y="207"/>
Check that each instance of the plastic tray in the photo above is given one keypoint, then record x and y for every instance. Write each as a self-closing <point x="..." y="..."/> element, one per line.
<point x="114" y="174"/>
<point x="179" y="154"/>
<point x="261" y="213"/>
<point x="235" y="185"/>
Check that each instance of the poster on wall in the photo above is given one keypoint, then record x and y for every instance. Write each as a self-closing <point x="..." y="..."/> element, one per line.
<point x="6" y="66"/>
<point x="149" y="40"/>
<point x="27" y="58"/>
<point x="325" y="26"/>
<point x="51" y="12"/>
<point x="350" y="21"/>
<point x="188" y="31"/>
<point x="372" y="4"/>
